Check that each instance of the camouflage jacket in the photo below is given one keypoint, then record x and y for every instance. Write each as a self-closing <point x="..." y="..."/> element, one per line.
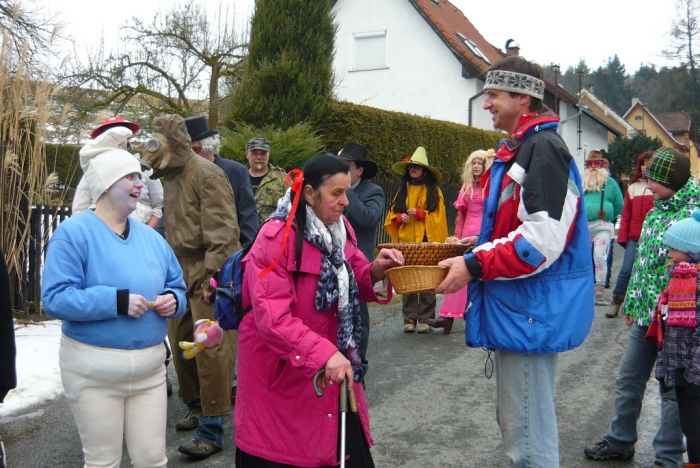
<point x="270" y="190"/>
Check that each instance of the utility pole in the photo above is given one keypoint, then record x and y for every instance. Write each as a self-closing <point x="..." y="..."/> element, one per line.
<point x="580" y="109"/>
<point x="555" y="69"/>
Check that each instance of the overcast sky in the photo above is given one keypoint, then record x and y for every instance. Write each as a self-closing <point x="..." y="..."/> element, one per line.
<point x="548" y="31"/>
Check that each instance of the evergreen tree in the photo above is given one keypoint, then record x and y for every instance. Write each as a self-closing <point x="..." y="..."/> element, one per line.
<point x="288" y="77"/>
<point x="610" y="84"/>
<point x="575" y="78"/>
<point x="623" y="152"/>
<point x="665" y="90"/>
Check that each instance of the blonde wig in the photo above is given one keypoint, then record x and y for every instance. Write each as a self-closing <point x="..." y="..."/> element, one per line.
<point x="486" y="157"/>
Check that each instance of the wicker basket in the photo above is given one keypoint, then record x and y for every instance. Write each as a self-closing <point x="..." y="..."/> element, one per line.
<point x="426" y="253"/>
<point x="416" y="278"/>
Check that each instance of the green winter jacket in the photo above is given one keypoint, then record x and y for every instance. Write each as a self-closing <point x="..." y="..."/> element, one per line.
<point x="650" y="270"/>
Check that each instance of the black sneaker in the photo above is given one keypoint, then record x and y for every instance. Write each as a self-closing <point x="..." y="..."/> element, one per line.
<point x="198" y="449"/>
<point x="602" y="451"/>
<point x="188" y="422"/>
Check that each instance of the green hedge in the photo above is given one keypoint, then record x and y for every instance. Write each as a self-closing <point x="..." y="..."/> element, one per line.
<point x="63" y="159"/>
<point x="392" y="136"/>
<point x="288" y="148"/>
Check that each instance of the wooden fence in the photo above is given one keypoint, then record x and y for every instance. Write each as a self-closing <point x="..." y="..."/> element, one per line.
<point x="45" y="219"/>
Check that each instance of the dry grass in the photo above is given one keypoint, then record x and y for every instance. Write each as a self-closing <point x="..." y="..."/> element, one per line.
<point x="24" y="181"/>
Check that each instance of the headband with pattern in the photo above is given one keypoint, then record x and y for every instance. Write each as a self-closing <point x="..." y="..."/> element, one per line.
<point x="504" y="80"/>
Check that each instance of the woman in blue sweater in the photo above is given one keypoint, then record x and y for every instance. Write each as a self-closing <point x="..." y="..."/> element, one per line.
<point x="114" y="282"/>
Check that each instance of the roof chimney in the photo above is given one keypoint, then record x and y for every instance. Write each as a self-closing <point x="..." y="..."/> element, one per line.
<point x="512" y="48"/>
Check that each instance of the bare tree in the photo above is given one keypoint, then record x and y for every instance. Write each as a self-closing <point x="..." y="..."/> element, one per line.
<point x="168" y="64"/>
<point x="685" y="33"/>
<point x="25" y="31"/>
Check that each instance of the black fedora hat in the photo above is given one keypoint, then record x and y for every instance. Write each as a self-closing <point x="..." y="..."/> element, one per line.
<point x="198" y="127"/>
<point x="358" y="154"/>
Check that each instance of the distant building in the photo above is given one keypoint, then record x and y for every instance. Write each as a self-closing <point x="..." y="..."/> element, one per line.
<point x="674" y="129"/>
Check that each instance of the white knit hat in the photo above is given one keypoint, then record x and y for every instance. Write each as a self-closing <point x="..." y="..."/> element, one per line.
<point x="110" y="138"/>
<point x="108" y="167"/>
<point x="684" y="236"/>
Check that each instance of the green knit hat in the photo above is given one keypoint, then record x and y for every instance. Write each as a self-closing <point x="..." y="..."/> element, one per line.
<point x="669" y="167"/>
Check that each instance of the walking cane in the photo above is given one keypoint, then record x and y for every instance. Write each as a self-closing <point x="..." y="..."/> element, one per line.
<point x="345" y="392"/>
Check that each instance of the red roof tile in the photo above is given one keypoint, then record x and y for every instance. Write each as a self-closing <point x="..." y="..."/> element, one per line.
<point x="675" y="122"/>
<point x="448" y="21"/>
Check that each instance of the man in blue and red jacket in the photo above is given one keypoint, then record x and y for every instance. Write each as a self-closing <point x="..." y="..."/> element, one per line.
<point x="530" y="290"/>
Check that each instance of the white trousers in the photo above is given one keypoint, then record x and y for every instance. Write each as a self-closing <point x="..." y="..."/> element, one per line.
<point x="116" y="395"/>
<point x="602" y="234"/>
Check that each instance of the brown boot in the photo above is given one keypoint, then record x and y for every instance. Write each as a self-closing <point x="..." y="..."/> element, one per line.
<point x="442" y="322"/>
<point x="616" y="303"/>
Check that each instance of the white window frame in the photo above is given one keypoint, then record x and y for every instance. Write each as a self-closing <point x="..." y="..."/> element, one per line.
<point x="357" y="66"/>
<point x="473" y="47"/>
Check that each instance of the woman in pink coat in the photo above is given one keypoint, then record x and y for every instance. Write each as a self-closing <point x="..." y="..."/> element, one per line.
<point x="470" y="206"/>
<point x="305" y="287"/>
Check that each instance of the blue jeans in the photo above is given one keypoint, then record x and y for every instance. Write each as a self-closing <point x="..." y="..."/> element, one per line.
<point x="623" y="277"/>
<point x="210" y="428"/>
<point x="632" y="378"/>
<point x="525" y="388"/>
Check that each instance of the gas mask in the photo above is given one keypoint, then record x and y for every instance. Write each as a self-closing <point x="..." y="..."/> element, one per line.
<point x="157" y="154"/>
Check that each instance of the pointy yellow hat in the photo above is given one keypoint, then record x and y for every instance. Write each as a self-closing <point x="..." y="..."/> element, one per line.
<point x="419" y="158"/>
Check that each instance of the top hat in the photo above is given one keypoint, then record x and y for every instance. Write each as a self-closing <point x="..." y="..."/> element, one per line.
<point x="358" y="154"/>
<point x="419" y="158"/>
<point x="198" y="127"/>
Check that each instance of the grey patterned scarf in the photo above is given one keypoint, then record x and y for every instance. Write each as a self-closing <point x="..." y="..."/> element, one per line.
<point x="336" y="280"/>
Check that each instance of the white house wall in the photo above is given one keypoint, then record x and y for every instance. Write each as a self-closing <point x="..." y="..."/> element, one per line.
<point x="593" y="135"/>
<point x="421" y="76"/>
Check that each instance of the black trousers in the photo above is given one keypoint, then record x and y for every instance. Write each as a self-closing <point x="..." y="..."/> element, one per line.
<point x="688" y="396"/>
<point x="358" y="454"/>
<point x="364" y="338"/>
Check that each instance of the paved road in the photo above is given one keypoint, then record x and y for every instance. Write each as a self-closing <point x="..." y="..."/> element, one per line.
<point x="430" y="405"/>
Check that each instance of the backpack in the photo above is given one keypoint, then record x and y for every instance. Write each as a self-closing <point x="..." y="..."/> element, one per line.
<point x="228" y="303"/>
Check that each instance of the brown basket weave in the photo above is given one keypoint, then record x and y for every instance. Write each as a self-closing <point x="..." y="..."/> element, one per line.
<point x="426" y="253"/>
<point x="416" y="278"/>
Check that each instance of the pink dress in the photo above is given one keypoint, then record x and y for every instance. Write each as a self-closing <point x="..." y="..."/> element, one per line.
<point x="470" y="206"/>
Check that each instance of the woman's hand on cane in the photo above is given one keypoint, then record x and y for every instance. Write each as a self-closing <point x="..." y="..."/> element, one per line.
<point x="338" y="368"/>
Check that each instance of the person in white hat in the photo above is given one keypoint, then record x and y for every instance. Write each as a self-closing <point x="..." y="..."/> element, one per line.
<point x="114" y="132"/>
<point x="115" y="283"/>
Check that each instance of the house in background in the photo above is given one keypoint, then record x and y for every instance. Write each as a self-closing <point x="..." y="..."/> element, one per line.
<point x="425" y="57"/>
<point x="599" y="110"/>
<point x="674" y="129"/>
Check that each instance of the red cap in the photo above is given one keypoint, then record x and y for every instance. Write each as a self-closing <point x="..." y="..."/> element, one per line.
<point x="115" y="121"/>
